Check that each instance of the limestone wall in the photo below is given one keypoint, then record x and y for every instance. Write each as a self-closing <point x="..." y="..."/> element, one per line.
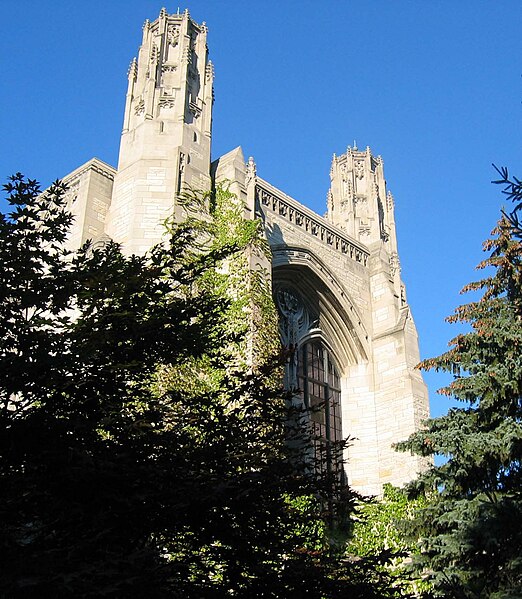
<point x="383" y="397"/>
<point x="88" y="198"/>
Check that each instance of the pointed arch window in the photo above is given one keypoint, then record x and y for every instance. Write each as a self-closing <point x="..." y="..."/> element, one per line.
<point x="320" y="386"/>
<point x="311" y="372"/>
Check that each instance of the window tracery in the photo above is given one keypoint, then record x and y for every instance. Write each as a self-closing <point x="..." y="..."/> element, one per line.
<point x="310" y="371"/>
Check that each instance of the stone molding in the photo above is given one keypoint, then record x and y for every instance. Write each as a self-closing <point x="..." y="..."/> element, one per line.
<point x="310" y="222"/>
<point x="339" y="308"/>
<point x="94" y="164"/>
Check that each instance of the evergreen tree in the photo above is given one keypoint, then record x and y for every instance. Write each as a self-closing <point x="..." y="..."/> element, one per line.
<point x="139" y="456"/>
<point x="470" y="533"/>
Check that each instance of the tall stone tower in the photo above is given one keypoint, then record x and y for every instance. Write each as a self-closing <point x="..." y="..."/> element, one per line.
<point x="165" y="144"/>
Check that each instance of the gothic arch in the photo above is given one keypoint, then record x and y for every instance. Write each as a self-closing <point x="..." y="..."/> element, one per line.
<point x="332" y="314"/>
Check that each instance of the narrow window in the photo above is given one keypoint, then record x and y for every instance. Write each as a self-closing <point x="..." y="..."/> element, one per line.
<point x="320" y="386"/>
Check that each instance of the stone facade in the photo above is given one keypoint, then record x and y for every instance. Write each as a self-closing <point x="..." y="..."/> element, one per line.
<point x="340" y="274"/>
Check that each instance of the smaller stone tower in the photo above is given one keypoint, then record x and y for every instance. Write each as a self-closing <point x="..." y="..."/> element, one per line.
<point x="165" y="144"/>
<point x="359" y="203"/>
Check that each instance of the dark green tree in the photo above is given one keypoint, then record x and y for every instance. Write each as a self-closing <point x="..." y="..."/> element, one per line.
<point x="138" y="456"/>
<point x="470" y="533"/>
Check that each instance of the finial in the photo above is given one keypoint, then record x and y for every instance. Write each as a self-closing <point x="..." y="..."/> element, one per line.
<point x="251" y="170"/>
<point x="146" y="25"/>
<point x="355" y="145"/>
<point x="163" y="13"/>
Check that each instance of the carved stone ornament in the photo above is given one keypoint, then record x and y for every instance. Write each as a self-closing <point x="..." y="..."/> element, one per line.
<point x="250" y="170"/>
<point x="173" y="35"/>
<point x="349" y="192"/>
<point x="389" y="201"/>
<point x="209" y="71"/>
<point x="186" y="55"/>
<point x="364" y="229"/>
<point x="329" y="200"/>
<point x="154" y="54"/>
<point x="167" y="102"/>
<point x="394" y="264"/>
<point x="72" y="194"/>
<point x="358" y="167"/>
<point x="404" y="301"/>
<point x="294" y="323"/>
<point x="195" y="109"/>
<point x="140" y="107"/>
<point x="375" y="189"/>
<point x="132" y="73"/>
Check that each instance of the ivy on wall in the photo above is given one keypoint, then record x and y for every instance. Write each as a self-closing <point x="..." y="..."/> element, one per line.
<point x="240" y="280"/>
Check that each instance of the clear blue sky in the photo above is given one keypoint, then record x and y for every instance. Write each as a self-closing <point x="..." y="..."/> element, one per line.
<point x="434" y="86"/>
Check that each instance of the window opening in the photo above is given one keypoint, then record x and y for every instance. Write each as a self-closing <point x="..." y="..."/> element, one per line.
<point x="320" y="387"/>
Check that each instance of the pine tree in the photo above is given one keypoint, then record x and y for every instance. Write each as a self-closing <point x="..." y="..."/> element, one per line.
<point x="470" y="533"/>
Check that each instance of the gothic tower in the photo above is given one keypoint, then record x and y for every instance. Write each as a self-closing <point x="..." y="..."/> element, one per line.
<point x="359" y="203"/>
<point x="165" y="144"/>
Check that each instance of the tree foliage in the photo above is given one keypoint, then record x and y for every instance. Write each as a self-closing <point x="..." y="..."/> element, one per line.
<point x="380" y="528"/>
<point x="471" y="532"/>
<point x="139" y="457"/>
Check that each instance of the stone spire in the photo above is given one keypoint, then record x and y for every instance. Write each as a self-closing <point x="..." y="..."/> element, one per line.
<point x="359" y="203"/>
<point x="165" y="144"/>
<point x="357" y="196"/>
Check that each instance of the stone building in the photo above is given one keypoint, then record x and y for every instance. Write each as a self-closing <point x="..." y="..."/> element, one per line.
<point x="336" y="280"/>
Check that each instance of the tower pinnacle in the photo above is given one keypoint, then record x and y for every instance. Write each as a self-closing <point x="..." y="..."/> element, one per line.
<point x="165" y="144"/>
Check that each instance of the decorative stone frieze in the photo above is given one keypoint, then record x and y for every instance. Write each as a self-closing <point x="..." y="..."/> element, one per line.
<point x="314" y="226"/>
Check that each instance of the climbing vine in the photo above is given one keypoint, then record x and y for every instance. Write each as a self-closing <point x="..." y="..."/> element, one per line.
<point x="380" y="529"/>
<point x="239" y="279"/>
